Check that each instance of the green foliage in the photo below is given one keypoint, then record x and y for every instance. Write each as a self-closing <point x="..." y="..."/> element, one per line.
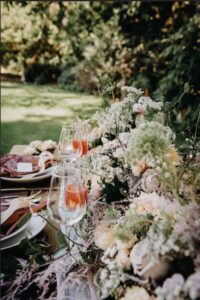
<point x="151" y="45"/>
<point x="114" y="191"/>
<point x="61" y="240"/>
<point x="134" y="224"/>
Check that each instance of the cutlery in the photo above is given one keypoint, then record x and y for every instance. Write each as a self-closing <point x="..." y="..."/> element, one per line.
<point x="26" y="189"/>
<point x="8" y="197"/>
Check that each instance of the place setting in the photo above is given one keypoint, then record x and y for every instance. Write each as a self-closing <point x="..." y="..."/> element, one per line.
<point x="36" y="163"/>
<point x="65" y="197"/>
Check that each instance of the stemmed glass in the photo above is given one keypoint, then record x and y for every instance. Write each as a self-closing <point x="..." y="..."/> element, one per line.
<point x="78" y="168"/>
<point x="70" y="143"/>
<point x="67" y="199"/>
<point x="82" y="131"/>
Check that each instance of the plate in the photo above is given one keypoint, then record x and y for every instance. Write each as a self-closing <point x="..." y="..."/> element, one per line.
<point x="35" y="226"/>
<point x="44" y="175"/>
<point x="22" y="228"/>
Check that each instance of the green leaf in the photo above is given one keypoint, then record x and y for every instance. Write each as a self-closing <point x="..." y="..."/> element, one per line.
<point x="24" y="220"/>
<point x="61" y="240"/>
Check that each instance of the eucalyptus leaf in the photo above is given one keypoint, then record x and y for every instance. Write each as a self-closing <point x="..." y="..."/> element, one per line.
<point x="61" y="240"/>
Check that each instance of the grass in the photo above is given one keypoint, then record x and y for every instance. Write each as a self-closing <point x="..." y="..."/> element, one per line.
<point x="30" y="112"/>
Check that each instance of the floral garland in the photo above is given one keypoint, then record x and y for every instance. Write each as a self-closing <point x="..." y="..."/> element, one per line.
<point x="141" y="233"/>
<point x="150" y="230"/>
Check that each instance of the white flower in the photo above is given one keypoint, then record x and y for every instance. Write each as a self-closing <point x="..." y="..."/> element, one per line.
<point x="153" y="204"/>
<point x="172" y="288"/>
<point x="124" y="137"/>
<point x="126" y="245"/>
<point x="118" y="153"/>
<point x="150" y="182"/>
<point x="112" y="251"/>
<point x="139" y="108"/>
<point x="144" y="264"/>
<point x="132" y="90"/>
<point x="97" y="133"/>
<point x="110" y="145"/>
<point x="192" y="286"/>
<point x="103" y="274"/>
<point x="138" y="169"/>
<point x="119" y="174"/>
<point x="136" y="293"/>
<point x="104" y="236"/>
<point x="147" y="102"/>
<point x="122" y="259"/>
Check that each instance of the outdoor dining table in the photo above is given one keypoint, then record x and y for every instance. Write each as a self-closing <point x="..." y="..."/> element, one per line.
<point x="83" y="292"/>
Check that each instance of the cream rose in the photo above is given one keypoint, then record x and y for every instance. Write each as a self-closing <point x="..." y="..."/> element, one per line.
<point x="104" y="236"/>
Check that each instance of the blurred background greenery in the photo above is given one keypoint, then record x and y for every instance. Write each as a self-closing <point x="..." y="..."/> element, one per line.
<point x="82" y="46"/>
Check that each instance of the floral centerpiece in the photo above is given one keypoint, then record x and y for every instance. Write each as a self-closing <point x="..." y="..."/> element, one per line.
<point x="141" y="234"/>
<point x="151" y="244"/>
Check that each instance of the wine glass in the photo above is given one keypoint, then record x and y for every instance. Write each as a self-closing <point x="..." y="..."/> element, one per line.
<point x="83" y="130"/>
<point x="67" y="199"/>
<point x="70" y="143"/>
<point x="78" y="168"/>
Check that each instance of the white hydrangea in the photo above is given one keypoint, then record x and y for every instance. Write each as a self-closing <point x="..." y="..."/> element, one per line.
<point x="132" y="90"/>
<point x="118" y="153"/>
<point x="172" y="288"/>
<point x="192" y="286"/>
<point x="139" y="108"/>
<point x="148" y="103"/>
<point x="124" y="137"/>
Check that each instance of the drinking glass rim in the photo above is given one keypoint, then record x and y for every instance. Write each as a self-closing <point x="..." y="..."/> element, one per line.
<point x="55" y="173"/>
<point x="67" y="127"/>
<point x="81" y="126"/>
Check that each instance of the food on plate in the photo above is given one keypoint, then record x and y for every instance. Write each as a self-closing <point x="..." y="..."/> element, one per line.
<point x="30" y="150"/>
<point x="37" y="146"/>
<point x="9" y="163"/>
<point x="48" y="145"/>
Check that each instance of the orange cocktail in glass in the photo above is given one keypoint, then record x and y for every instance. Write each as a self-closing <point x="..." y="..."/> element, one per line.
<point x="78" y="144"/>
<point x="84" y="147"/>
<point x="75" y="196"/>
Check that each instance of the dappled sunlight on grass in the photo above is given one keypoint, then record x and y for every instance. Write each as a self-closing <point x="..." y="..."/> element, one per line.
<point x="32" y="112"/>
<point x="31" y="95"/>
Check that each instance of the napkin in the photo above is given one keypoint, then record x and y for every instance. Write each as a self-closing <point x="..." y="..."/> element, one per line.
<point x="19" y="208"/>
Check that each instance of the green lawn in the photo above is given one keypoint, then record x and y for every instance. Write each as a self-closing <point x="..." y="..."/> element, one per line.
<point x="30" y="112"/>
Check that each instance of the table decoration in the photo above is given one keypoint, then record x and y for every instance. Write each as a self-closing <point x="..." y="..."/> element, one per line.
<point x="16" y="213"/>
<point x="66" y="205"/>
<point x="140" y="236"/>
<point x="35" y="225"/>
<point x="70" y="144"/>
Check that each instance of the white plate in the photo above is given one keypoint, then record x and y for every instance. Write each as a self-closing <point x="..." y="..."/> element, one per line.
<point x="45" y="175"/>
<point x="16" y="231"/>
<point x="35" y="226"/>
